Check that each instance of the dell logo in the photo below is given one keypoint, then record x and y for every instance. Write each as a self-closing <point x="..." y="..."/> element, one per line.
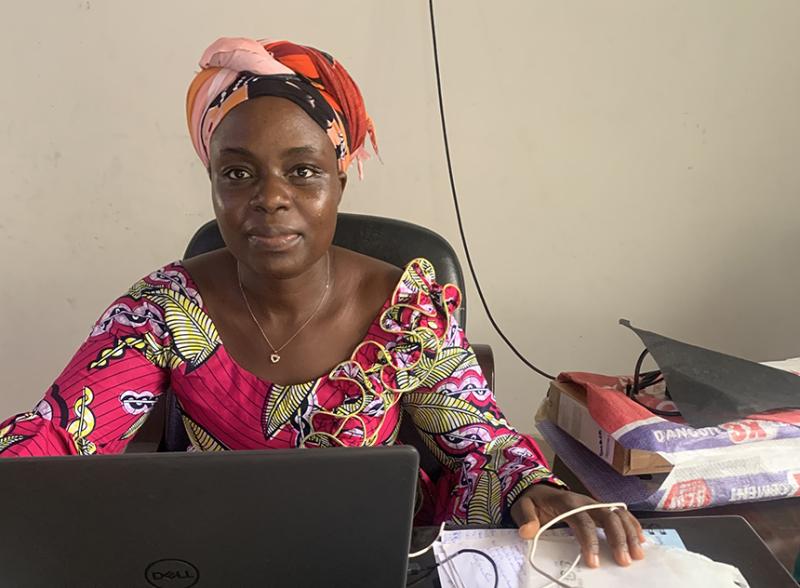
<point x="171" y="573"/>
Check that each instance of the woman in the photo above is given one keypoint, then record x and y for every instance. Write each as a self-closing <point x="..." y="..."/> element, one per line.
<point x="281" y="339"/>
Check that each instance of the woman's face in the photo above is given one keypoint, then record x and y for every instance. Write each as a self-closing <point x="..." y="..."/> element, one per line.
<point x="276" y="186"/>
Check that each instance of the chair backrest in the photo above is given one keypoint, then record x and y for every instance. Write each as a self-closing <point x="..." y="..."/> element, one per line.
<point x="393" y="241"/>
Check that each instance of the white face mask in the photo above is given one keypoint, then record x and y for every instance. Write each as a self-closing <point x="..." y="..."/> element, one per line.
<point x="677" y="567"/>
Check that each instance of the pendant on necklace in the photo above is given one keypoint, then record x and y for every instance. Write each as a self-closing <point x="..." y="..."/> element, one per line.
<point x="274" y="358"/>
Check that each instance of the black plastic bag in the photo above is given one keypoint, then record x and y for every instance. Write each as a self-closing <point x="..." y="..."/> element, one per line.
<point x="710" y="388"/>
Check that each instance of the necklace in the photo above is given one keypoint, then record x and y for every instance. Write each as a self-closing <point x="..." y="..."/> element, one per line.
<point x="275" y="356"/>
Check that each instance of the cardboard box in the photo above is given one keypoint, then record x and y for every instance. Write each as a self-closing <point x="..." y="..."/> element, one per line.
<point x="566" y="407"/>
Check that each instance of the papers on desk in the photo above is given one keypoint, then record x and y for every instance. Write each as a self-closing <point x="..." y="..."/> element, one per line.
<point x="667" y="563"/>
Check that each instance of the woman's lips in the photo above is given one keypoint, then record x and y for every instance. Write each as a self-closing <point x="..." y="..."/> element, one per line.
<point x="275" y="242"/>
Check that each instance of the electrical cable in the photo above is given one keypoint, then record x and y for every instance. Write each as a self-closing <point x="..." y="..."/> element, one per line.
<point x="531" y="553"/>
<point x="558" y="581"/>
<point x="428" y="548"/>
<point x="458" y="208"/>
<point x="644" y="380"/>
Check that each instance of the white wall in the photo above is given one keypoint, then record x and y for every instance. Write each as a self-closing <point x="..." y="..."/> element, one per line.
<point x="626" y="158"/>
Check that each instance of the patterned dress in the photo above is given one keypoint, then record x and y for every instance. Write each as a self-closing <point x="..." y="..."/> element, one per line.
<point x="414" y="362"/>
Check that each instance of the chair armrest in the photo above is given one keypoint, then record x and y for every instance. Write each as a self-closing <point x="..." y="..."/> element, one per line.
<point x="485" y="357"/>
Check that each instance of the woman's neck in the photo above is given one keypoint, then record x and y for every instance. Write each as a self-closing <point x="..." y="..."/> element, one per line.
<point x="286" y="301"/>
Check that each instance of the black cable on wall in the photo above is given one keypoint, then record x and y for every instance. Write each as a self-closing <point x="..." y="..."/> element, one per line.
<point x="458" y="209"/>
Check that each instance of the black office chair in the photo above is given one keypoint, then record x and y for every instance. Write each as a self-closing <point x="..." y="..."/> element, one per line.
<point x="394" y="241"/>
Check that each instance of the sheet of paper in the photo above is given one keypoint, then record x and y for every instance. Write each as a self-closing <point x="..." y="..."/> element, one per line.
<point x="475" y="570"/>
<point x="446" y="570"/>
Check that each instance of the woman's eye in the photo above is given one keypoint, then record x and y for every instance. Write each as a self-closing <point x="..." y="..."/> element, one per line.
<point x="238" y="174"/>
<point x="304" y="172"/>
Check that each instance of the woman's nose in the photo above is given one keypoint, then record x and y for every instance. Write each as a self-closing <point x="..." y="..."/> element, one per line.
<point x="272" y="195"/>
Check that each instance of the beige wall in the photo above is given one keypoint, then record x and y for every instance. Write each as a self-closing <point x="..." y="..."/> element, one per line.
<point x="624" y="158"/>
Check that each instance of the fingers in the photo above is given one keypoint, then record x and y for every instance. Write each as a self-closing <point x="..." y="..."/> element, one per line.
<point x="616" y="534"/>
<point x="586" y="533"/>
<point x="542" y="504"/>
<point x="639" y="530"/>
<point x="524" y="514"/>
<point x="634" y="533"/>
<point x="623" y="533"/>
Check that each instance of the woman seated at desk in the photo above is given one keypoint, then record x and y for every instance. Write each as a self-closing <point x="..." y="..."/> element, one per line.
<point x="281" y="339"/>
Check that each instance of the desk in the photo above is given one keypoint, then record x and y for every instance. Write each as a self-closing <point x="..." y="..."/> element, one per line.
<point x="776" y="521"/>
<point x="728" y="539"/>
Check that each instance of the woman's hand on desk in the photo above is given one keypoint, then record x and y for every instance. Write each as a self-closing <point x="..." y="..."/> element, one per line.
<point x="541" y="503"/>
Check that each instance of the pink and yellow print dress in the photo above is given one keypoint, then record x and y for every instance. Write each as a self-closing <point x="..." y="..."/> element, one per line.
<point x="414" y="362"/>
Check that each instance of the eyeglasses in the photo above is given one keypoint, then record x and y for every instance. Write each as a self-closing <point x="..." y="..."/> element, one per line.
<point x="642" y="380"/>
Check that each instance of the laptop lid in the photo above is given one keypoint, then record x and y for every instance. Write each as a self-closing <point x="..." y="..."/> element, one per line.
<point x="310" y="517"/>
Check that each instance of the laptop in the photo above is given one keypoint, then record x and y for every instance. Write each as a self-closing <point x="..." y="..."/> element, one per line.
<point x="295" y="517"/>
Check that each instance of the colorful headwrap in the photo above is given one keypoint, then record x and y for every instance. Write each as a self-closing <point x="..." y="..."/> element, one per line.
<point x="235" y="69"/>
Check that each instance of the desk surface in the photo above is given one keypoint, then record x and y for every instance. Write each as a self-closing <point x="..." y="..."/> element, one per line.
<point x="777" y="522"/>
<point x="728" y="539"/>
